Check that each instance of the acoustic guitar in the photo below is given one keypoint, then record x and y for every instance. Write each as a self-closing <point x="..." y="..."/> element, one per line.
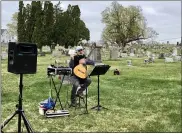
<point x="81" y="70"/>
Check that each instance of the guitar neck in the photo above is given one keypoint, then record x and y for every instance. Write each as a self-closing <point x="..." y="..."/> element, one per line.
<point x="93" y="47"/>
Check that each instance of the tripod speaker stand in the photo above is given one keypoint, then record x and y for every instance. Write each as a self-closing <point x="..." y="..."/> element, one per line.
<point x="99" y="70"/>
<point x="22" y="59"/>
<point x="19" y="112"/>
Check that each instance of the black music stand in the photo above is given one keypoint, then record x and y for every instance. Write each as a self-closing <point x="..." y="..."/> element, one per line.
<point x="99" y="70"/>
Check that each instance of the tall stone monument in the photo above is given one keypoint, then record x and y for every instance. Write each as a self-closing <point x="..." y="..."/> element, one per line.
<point x="96" y="54"/>
<point x="114" y="53"/>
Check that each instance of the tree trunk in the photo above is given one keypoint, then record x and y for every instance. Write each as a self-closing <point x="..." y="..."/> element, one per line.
<point x="52" y="47"/>
<point x="66" y="45"/>
<point x="40" y="49"/>
<point x="119" y="44"/>
<point x="123" y="45"/>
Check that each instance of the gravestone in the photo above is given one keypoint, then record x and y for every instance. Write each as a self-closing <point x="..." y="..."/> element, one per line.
<point x="119" y="54"/>
<point x="143" y="53"/>
<point x="174" y="51"/>
<point x="132" y="54"/>
<point x="148" y="53"/>
<point x="129" y="62"/>
<point x="56" y="53"/>
<point x="134" y="50"/>
<point x="124" y="55"/>
<point x="177" y="58"/>
<point x="46" y="49"/>
<point x="66" y="52"/>
<point x="167" y="59"/>
<point x="71" y="52"/>
<point x="57" y="47"/>
<point x="4" y="55"/>
<point x="67" y="62"/>
<point x="96" y="54"/>
<point x="138" y="51"/>
<point x="61" y="49"/>
<point x="131" y="50"/>
<point x="152" y="58"/>
<point x="105" y="54"/>
<point x="114" y="53"/>
<point x="87" y="51"/>
<point x="153" y="55"/>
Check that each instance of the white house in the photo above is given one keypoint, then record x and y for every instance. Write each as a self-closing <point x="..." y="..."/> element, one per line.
<point x="6" y="37"/>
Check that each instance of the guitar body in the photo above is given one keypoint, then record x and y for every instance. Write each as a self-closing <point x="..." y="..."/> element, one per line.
<point x="80" y="71"/>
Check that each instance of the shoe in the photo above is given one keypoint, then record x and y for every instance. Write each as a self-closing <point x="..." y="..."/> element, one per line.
<point x="81" y="95"/>
<point x="80" y="92"/>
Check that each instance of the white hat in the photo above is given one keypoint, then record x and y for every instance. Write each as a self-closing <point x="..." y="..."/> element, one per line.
<point x="79" y="48"/>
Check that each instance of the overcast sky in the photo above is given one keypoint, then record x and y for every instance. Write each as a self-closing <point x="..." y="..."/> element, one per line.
<point x="163" y="16"/>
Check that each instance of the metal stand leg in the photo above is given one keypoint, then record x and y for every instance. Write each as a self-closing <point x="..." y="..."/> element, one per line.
<point x="84" y="101"/>
<point x="67" y="102"/>
<point x="19" y="111"/>
<point x="27" y="124"/>
<point x="98" y="107"/>
<point x="57" y="93"/>
<point x="6" y="121"/>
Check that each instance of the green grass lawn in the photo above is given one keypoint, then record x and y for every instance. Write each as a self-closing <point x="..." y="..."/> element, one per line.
<point x="144" y="98"/>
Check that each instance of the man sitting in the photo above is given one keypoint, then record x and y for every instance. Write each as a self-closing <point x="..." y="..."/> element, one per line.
<point x="79" y="85"/>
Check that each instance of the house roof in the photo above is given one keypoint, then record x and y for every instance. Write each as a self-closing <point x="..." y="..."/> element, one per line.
<point x="2" y="31"/>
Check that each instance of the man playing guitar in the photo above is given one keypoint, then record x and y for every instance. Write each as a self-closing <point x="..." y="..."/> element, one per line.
<point x="79" y="83"/>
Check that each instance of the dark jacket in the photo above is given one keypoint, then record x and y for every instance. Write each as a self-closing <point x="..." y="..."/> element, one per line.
<point x="74" y="62"/>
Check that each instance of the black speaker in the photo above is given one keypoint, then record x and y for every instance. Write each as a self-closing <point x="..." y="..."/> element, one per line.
<point x="22" y="58"/>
